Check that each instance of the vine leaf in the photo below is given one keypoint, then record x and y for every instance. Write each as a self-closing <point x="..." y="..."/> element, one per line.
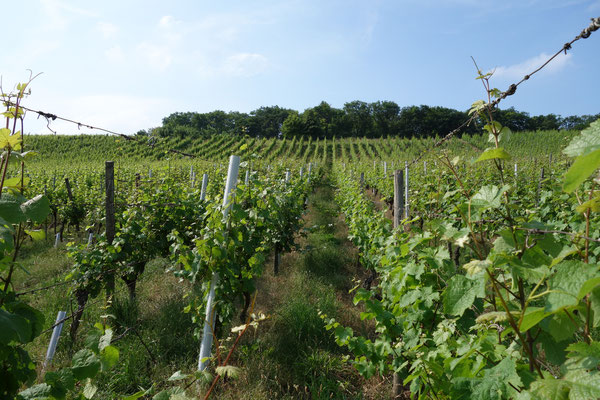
<point x="586" y="143"/>
<point x="576" y="384"/>
<point x="85" y="364"/>
<point x="494" y="153"/>
<point x="568" y="285"/>
<point x="461" y="293"/>
<point x="585" y="355"/>
<point x="586" y="147"/>
<point x="581" y="169"/>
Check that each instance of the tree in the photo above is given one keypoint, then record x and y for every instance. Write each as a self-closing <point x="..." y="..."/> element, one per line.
<point x="360" y="117"/>
<point x="385" y="118"/>
<point x="293" y="126"/>
<point x="267" y="121"/>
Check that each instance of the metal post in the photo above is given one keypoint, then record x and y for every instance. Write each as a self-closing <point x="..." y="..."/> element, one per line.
<point x="210" y="316"/>
<point x="203" y="190"/>
<point x="54" y="339"/>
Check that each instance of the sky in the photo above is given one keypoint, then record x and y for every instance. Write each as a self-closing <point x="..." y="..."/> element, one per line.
<point x="124" y="65"/>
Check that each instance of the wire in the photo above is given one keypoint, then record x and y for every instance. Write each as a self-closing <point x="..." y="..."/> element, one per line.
<point x="594" y="26"/>
<point x="53" y="117"/>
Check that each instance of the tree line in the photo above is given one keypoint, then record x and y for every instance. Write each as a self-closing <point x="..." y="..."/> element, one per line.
<point x="355" y="119"/>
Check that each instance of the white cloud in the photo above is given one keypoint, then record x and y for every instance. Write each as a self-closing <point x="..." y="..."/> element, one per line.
<point x="245" y="64"/>
<point x="158" y="57"/>
<point x="372" y="19"/>
<point x="115" y="54"/>
<point x="57" y="13"/>
<point x="107" y="29"/>
<point x="518" y="71"/>
<point x="595" y="6"/>
<point x="168" y="21"/>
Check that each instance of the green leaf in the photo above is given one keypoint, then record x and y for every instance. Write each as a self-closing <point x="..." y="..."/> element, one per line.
<point x="105" y="339"/>
<point x="593" y="205"/>
<point x="581" y="169"/>
<point x="9" y="141"/>
<point x="10" y="208"/>
<point x="15" y="182"/>
<point x="461" y="293"/>
<point x="109" y="357"/>
<point x="85" y="364"/>
<point x="585" y="355"/>
<point x="36" y="234"/>
<point x="6" y="240"/>
<point x="61" y="381"/>
<point x="36" y="209"/>
<point x="577" y="384"/>
<point x="567" y="283"/>
<point x="493" y="154"/>
<point x="37" y="392"/>
<point x="228" y="371"/>
<point x="587" y="142"/>
<point x="90" y="389"/>
<point x="136" y="395"/>
<point x="177" y="376"/>
<point x="497" y="381"/>
<point x="14" y="328"/>
<point x="532" y="317"/>
<point x="488" y="197"/>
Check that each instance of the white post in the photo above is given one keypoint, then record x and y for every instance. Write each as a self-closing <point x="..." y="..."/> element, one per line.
<point x="384" y="169"/>
<point x="247" y="177"/>
<point x="210" y="317"/>
<point x="57" y="240"/>
<point x="149" y="173"/>
<point x="55" y="335"/>
<point x="203" y="190"/>
<point x="309" y="170"/>
<point x="90" y="239"/>
<point x="515" y="170"/>
<point x="424" y="167"/>
<point x="287" y="176"/>
<point x="301" y="172"/>
<point x="405" y="189"/>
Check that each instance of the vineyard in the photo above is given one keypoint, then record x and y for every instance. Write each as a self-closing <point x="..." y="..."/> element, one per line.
<point x="486" y="287"/>
<point x="455" y="267"/>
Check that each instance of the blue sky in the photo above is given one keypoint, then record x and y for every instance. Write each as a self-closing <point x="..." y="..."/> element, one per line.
<point x="124" y="65"/>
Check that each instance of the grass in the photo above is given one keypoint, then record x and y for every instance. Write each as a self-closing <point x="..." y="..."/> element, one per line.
<point x="292" y="355"/>
<point x="289" y="356"/>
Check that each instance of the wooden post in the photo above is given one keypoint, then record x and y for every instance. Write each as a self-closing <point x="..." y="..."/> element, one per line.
<point x="406" y="189"/>
<point x="398" y="197"/>
<point x="397" y="386"/>
<point x="276" y="259"/>
<point x="539" y="188"/>
<point x="69" y="192"/>
<point x="109" y="184"/>
<point x="110" y="200"/>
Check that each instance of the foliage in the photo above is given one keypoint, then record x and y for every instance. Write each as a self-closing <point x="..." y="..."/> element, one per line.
<point x="483" y="298"/>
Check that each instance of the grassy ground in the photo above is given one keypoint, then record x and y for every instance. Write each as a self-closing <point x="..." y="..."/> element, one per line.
<point x="289" y="356"/>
